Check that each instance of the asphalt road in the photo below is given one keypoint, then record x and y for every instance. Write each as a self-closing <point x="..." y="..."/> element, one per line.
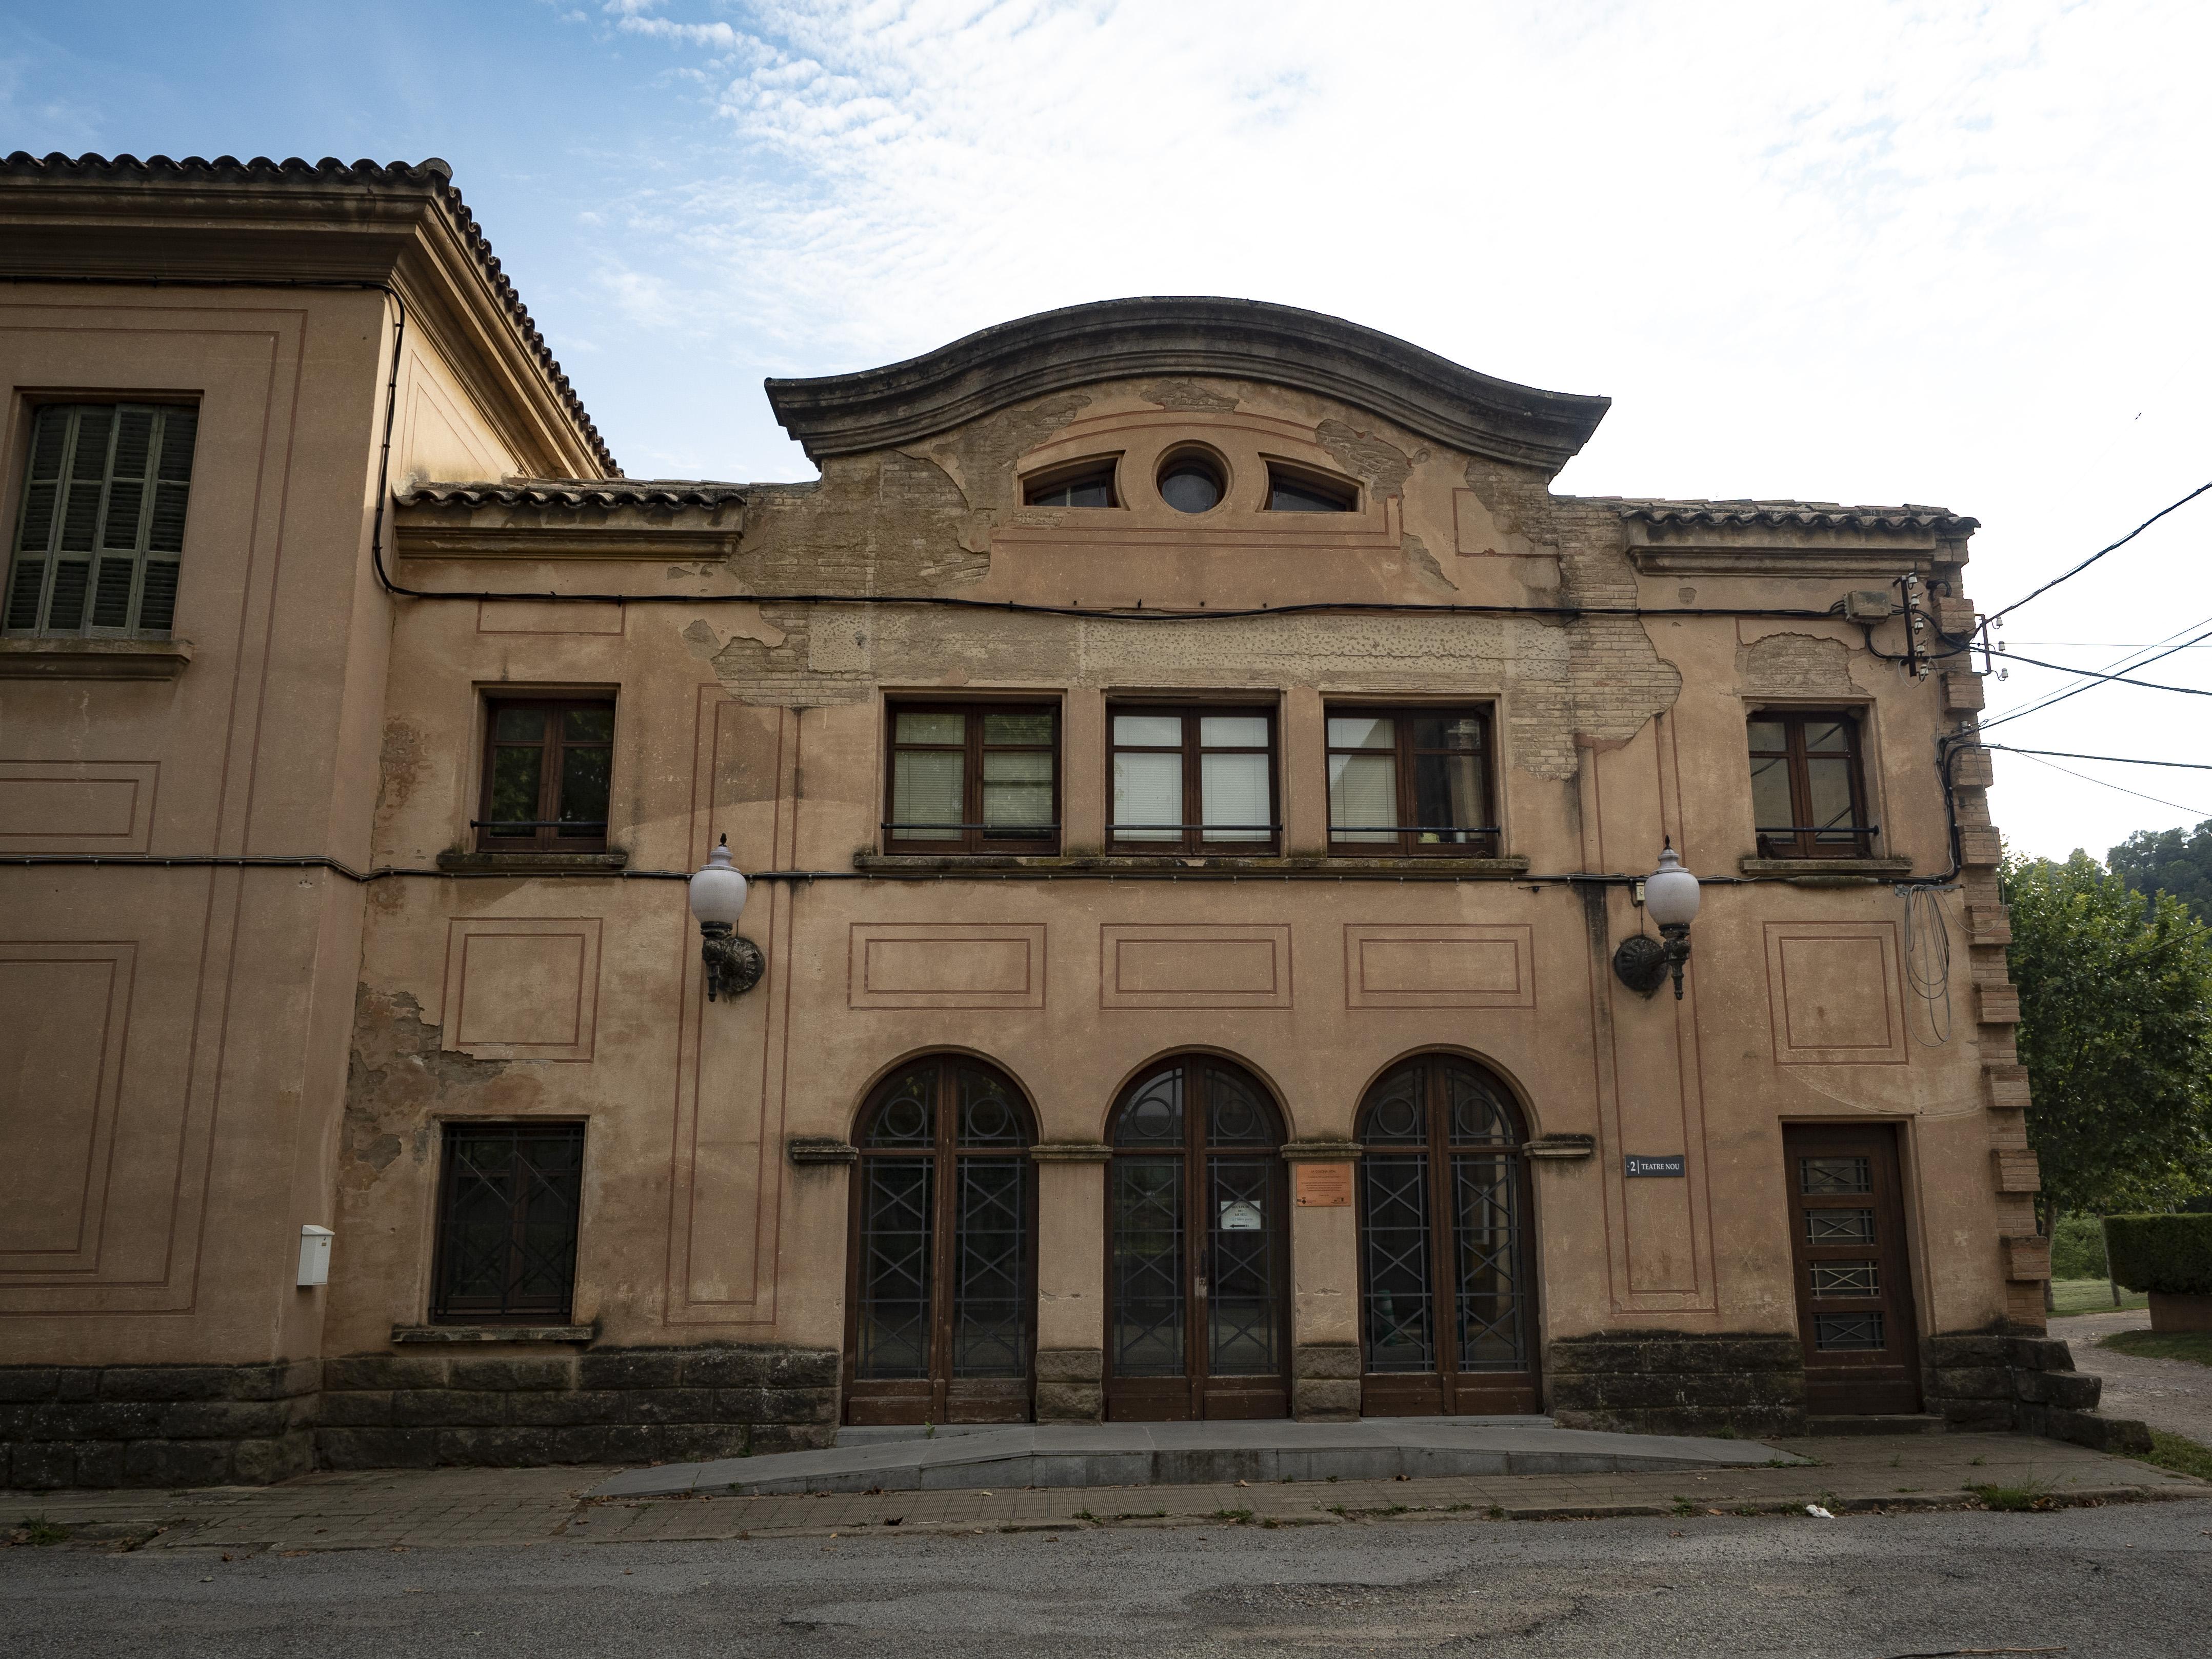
<point x="2114" y="1583"/>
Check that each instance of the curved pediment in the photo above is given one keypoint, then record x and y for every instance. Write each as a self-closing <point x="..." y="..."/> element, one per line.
<point x="1242" y="339"/>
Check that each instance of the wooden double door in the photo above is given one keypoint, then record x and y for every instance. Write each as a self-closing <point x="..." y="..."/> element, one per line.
<point x="1198" y="1249"/>
<point x="1447" y="1276"/>
<point x="1855" y="1312"/>
<point x="943" y="1292"/>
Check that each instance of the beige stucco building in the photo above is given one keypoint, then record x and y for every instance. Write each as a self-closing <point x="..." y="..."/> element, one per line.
<point x="1194" y="775"/>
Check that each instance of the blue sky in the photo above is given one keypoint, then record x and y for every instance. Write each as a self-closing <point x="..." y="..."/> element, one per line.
<point x="1881" y="252"/>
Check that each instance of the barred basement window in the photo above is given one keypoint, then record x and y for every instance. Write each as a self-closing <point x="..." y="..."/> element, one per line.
<point x="102" y="523"/>
<point x="506" y="1221"/>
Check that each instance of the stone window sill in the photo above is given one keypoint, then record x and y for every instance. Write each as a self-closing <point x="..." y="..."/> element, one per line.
<point x="537" y="863"/>
<point x="820" y="1149"/>
<point x="1829" y="872"/>
<point x="72" y="659"/>
<point x="1504" y="869"/>
<point x="478" y="1334"/>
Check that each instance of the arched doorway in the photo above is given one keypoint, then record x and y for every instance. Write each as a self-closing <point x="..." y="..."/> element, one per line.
<point x="942" y="1303"/>
<point x="1198" y="1248"/>
<point x="1447" y="1279"/>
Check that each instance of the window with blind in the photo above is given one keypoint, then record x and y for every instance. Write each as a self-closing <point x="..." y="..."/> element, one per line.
<point x="1808" y="787"/>
<point x="548" y="765"/>
<point x="1411" y="782"/>
<point x="973" y="778"/>
<point x="102" y="522"/>
<point x="1193" y="779"/>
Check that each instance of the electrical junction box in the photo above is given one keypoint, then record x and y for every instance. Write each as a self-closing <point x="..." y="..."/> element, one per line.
<point x="314" y="1256"/>
<point x="1869" y="604"/>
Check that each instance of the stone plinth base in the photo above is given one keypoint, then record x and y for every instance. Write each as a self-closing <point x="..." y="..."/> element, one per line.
<point x="157" y="1426"/>
<point x="614" y="1406"/>
<point x="1675" y="1382"/>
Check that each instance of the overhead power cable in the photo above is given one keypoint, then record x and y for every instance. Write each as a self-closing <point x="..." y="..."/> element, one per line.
<point x="2094" y="677"/>
<point x="2113" y="547"/>
<point x="2179" y="806"/>
<point x="2124" y="760"/>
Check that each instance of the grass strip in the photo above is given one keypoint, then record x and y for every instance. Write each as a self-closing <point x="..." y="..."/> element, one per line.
<point x="2179" y="1453"/>
<point x="2164" y="1344"/>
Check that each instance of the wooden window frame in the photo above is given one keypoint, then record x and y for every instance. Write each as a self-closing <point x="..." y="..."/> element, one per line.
<point x="1194" y="841"/>
<point x="1409" y="844"/>
<point x="546" y="836"/>
<point x="446" y="1307"/>
<point x="1800" y="839"/>
<point x="1048" y="480"/>
<point x="974" y="839"/>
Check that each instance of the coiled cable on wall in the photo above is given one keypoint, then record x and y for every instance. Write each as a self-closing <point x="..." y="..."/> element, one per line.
<point x="1928" y="957"/>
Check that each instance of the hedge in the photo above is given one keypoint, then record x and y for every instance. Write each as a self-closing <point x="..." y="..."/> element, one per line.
<point x="2169" y="1254"/>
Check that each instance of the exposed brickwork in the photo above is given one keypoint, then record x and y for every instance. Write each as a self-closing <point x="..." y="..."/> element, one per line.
<point x="1677" y="1382"/>
<point x="156" y="1426"/>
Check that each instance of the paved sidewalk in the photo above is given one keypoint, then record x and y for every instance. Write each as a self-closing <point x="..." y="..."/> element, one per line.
<point x="409" y="1510"/>
<point x="2172" y="1394"/>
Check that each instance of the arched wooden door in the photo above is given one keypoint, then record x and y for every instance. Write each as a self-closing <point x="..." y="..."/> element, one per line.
<point x="942" y="1300"/>
<point x="1198" y="1248"/>
<point x="1447" y="1276"/>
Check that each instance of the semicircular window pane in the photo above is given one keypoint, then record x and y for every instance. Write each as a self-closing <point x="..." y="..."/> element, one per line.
<point x="1153" y="1115"/>
<point x="1482" y="1114"/>
<point x="1238" y="1114"/>
<point x="1397" y="1114"/>
<point x="989" y="1114"/>
<point x="905" y="1114"/>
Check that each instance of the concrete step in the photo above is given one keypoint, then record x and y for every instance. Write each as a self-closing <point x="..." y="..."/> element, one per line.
<point x="1914" y="1423"/>
<point x="1183" y="1453"/>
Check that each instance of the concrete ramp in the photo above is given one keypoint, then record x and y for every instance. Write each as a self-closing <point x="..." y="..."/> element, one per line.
<point x="1187" y="1454"/>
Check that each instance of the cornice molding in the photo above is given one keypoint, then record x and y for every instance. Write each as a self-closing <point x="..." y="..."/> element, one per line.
<point x="202" y="221"/>
<point x="1238" y="339"/>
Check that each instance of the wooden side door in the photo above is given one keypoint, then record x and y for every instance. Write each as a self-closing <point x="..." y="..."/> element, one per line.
<point x="1855" y="1312"/>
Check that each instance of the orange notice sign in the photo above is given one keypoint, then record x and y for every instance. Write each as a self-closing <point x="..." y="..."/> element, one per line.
<point x="1325" y="1184"/>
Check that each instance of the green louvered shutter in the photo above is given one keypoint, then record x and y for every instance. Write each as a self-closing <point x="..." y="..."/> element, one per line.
<point x="103" y="519"/>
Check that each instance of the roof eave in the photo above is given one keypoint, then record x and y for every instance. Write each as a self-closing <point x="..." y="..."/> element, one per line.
<point x="1238" y="339"/>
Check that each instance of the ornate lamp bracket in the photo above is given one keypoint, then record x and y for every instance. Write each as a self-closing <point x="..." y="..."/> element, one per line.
<point x="734" y="963"/>
<point x="1644" y="964"/>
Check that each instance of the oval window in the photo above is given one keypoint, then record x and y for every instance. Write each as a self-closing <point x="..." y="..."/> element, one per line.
<point x="1192" y="482"/>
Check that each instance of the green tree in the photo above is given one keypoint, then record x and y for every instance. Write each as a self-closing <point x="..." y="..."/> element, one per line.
<point x="2116" y="1031"/>
<point x="2176" y="861"/>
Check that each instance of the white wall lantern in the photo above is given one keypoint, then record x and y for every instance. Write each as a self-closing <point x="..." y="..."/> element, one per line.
<point x="1669" y="897"/>
<point x="314" y="1256"/>
<point x="734" y="963"/>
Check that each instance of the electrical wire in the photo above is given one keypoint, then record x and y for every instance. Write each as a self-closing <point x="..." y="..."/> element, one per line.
<point x="2069" y="575"/>
<point x="2092" y="677"/>
<point x="1928" y="959"/>
<point x="2124" y="760"/>
<point x="2179" y="806"/>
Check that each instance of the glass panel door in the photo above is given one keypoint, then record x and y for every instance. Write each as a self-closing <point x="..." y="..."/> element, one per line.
<point x="944" y="1295"/>
<point x="1200" y="1247"/>
<point x="1443" y="1198"/>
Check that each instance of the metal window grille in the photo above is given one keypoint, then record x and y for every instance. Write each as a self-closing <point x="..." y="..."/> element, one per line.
<point x="507" y="1221"/>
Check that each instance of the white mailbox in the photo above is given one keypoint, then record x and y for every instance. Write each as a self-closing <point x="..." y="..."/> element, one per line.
<point x="314" y="1255"/>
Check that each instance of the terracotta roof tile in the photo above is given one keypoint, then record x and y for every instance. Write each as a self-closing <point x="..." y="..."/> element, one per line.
<point x="1795" y="515"/>
<point x="433" y="173"/>
<point x="576" y="493"/>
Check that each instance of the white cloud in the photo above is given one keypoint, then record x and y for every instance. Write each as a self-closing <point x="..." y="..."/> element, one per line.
<point x="1948" y="252"/>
